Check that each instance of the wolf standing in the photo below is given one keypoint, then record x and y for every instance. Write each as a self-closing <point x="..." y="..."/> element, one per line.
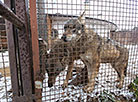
<point x="92" y="49"/>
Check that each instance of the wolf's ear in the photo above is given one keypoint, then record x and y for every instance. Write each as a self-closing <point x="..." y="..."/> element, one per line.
<point x="81" y="18"/>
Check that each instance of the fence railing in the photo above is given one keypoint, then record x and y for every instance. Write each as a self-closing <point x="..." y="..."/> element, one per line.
<point x="20" y="50"/>
<point x="8" y="14"/>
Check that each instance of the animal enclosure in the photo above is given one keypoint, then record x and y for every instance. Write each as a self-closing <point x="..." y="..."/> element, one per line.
<point x="68" y="50"/>
<point x="113" y="21"/>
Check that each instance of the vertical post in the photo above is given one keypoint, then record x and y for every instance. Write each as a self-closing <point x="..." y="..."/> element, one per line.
<point x="24" y="49"/>
<point x="35" y="50"/>
<point x="22" y="85"/>
<point x="12" y="55"/>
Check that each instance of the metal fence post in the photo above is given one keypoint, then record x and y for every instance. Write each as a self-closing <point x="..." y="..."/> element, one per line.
<point x="38" y="79"/>
<point x="22" y="80"/>
<point x="12" y="55"/>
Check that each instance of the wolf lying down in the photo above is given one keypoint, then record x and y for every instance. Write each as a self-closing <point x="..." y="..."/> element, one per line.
<point x="78" y="42"/>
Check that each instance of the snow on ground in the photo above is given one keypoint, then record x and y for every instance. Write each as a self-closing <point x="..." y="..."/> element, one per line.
<point x="5" y="86"/>
<point x="106" y="81"/>
<point x="5" y="82"/>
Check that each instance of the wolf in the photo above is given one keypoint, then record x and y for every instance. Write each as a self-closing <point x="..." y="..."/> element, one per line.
<point x="79" y="42"/>
<point x="93" y="49"/>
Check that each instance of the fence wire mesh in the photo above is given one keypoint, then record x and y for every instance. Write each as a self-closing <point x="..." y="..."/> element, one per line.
<point x="5" y="79"/>
<point x="90" y="57"/>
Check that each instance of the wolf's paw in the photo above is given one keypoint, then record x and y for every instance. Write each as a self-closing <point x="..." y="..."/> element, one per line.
<point x="88" y="88"/>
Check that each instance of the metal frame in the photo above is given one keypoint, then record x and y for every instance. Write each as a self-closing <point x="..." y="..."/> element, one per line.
<point x="38" y="77"/>
<point x="19" y="44"/>
<point x="12" y="55"/>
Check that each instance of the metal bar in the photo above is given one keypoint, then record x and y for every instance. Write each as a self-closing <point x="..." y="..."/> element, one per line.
<point x="35" y="49"/>
<point x="12" y="55"/>
<point x="6" y="13"/>
<point x="24" y="49"/>
<point x="24" y="57"/>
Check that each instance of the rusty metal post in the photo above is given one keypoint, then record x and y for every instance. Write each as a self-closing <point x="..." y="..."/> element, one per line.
<point x="35" y="48"/>
<point x="24" y="57"/>
<point x="22" y="82"/>
<point x="22" y="87"/>
<point x="9" y="15"/>
<point x="12" y="55"/>
<point x="24" y="50"/>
